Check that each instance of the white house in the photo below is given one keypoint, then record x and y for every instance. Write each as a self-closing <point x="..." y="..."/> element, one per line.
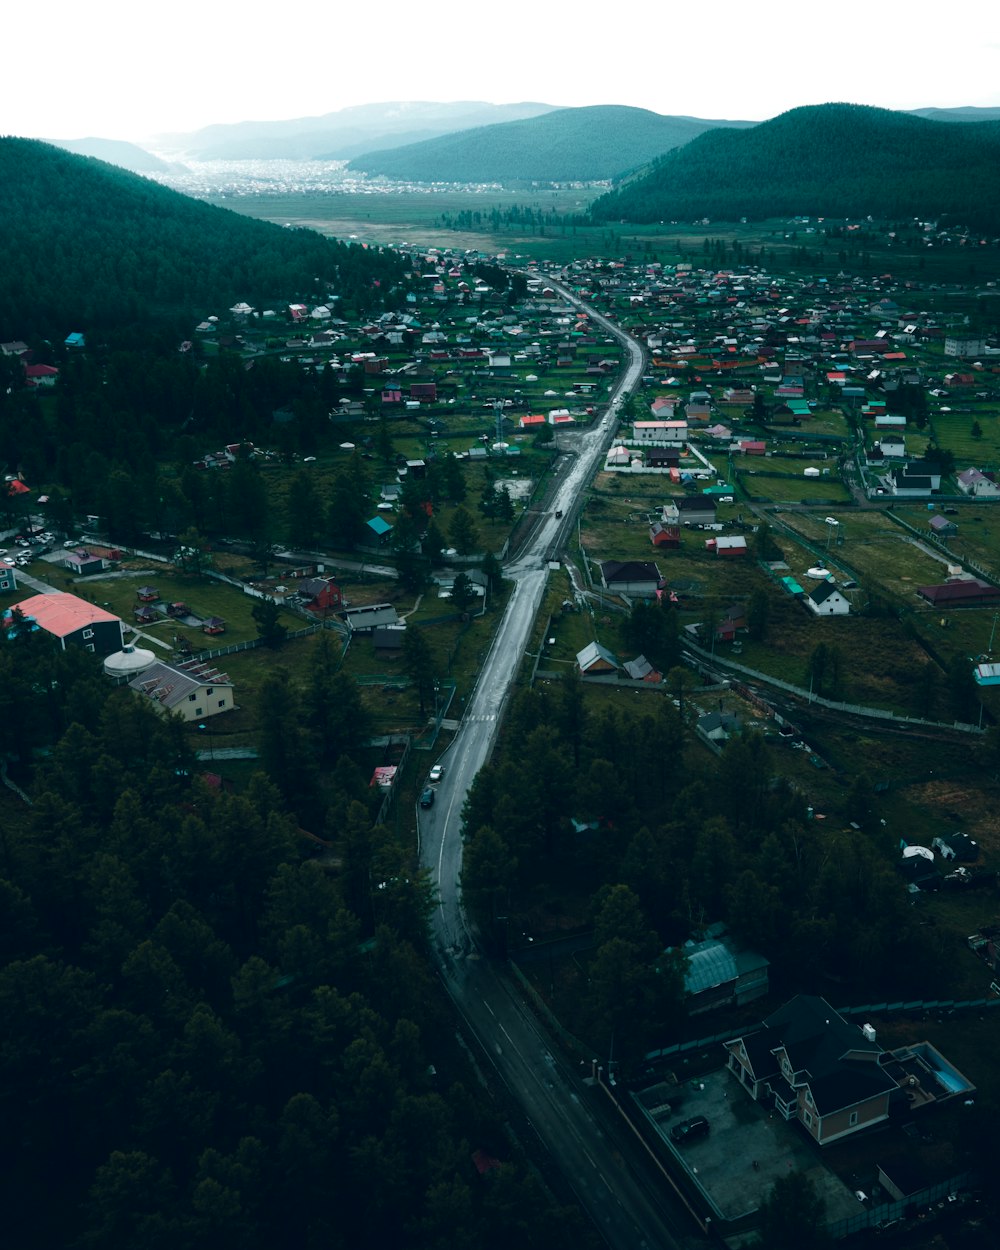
<point x="976" y="483"/>
<point x="826" y="600"/>
<point x="668" y="432"/>
<point x="192" y="690"/>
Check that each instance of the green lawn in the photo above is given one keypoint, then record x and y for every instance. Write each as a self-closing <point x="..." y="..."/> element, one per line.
<point x="204" y="596"/>
<point x="883" y="555"/>
<point x="953" y="430"/>
<point x="781" y="479"/>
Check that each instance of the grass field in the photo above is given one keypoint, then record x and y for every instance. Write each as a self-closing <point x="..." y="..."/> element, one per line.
<point x="415" y="217"/>
<point x="204" y="596"/>
<point x="953" y="430"/>
<point x="881" y="554"/>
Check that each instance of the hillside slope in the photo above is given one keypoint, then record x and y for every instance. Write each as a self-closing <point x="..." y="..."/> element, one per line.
<point x="567" y="145"/>
<point x="115" y="152"/>
<point x="84" y="245"/>
<point x="837" y="160"/>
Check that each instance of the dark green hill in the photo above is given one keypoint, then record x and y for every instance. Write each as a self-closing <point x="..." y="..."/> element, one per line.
<point x="834" y="160"/>
<point x="567" y="145"/>
<point x="87" y="246"/>
<point x="115" y="152"/>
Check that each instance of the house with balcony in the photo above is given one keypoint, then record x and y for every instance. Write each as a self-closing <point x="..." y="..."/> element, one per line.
<point x="831" y="1076"/>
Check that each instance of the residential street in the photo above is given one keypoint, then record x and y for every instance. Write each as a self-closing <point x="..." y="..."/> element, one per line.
<point x="630" y="1212"/>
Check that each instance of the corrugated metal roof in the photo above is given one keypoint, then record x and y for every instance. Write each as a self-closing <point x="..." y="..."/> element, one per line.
<point x="711" y="964"/>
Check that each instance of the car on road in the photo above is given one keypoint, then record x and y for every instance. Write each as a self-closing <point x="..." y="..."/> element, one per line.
<point x="689" y="1130"/>
<point x="436" y="773"/>
<point x="427" y="798"/>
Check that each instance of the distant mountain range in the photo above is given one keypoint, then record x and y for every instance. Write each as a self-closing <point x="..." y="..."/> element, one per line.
<point x="340" y="135"/>
<point x="966" y="114"/>
<point x="565" y="145"/>
<point x="117" y="152"/>
<point x="833" y="160"/>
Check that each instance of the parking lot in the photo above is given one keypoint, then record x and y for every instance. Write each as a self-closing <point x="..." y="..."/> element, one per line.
<point x="746" y="1150"/>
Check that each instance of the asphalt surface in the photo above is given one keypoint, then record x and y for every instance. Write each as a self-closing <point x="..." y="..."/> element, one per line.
<point x="631" y="1209"/>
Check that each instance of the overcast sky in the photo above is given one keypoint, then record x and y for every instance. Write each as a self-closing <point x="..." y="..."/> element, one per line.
<point x="130" y="69"/>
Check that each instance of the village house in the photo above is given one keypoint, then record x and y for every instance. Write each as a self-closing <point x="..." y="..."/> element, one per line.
<point x="319" y="594"/>
<point x="372" y="616"/>
<point x="75" y="621"/>
<point x="960" y="592"/>
<point x="717" y="727"/>
<point x="665" y="536"/>
<point x="728" y="546"/>
<point x="596" y="661"/>
<point x="192" y="690"/>
<point x="977" y="484"/>
<point x="640" y="669"/>
<point x="673" y="433"/>
<point x="638" y="578"/>
<point x="826" y="600"/>
<point x="693" y="509"/>
<point x="813" y="1066"/>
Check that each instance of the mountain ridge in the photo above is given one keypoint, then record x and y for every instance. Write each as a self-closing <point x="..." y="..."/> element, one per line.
<point x="590" y="144"/>
<point x="837" y="159"/>
<point x="351" y="130"/>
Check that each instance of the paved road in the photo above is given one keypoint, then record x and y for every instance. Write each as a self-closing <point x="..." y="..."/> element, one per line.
<point x="631" y="1212"/>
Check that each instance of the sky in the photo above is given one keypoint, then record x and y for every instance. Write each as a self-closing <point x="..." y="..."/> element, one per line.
<point x="133" y="70"/>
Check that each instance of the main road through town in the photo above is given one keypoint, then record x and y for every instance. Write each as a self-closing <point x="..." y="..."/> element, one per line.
<point x="631" y="1211"/>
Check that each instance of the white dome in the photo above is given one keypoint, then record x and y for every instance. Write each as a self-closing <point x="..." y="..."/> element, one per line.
<point x="129" y="661"/>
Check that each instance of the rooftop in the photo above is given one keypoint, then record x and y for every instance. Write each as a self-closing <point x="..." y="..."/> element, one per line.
<point x="62" y="614"/>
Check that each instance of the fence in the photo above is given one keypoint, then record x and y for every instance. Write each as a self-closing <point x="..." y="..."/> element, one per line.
<point x="390" y="795"/>
<point x="886" y="1213"/>
<point x="911" y="1007"/>
<point x="933" y="541"/>
<point x="854" y="709"/>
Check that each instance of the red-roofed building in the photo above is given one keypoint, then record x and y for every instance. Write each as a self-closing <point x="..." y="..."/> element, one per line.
<point x="73" y="620"/>
<point x="40" y="375"/>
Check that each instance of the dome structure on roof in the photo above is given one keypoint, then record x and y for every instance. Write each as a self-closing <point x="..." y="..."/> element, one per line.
<point x="128" y="661"/>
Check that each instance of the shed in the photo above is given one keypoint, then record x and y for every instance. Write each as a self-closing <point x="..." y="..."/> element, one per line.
<point x="379" y="528"/>
<point x="720" y="972"/>
<point x="942" y="527"/>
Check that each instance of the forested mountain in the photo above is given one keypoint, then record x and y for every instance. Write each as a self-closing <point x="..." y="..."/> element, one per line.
<point x="86" y="246"/>
<point x="835" y="160"/>
<point x="344" y="133"/>
<point x="567" y="145"/>
<point x="115" y="152"/>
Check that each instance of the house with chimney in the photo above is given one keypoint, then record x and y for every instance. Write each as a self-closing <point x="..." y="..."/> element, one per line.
<point x="811" y="1065"/>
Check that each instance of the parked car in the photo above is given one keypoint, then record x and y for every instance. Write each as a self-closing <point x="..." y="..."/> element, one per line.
<point x="427" y="798"/>
<point x="436" y="773"/>
<point x="689" y="1130"/>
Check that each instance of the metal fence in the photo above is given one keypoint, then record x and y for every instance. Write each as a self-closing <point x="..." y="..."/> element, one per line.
<point x="885" y="1213"/>
<point x="856" y="709"/>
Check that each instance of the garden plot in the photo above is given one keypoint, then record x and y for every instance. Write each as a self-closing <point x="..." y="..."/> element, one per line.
<point x="879" y="552"/>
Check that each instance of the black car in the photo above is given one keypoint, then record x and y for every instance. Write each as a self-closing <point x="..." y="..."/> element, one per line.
<point x="427" y="797"/>
<point x="689" y="1130"/>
